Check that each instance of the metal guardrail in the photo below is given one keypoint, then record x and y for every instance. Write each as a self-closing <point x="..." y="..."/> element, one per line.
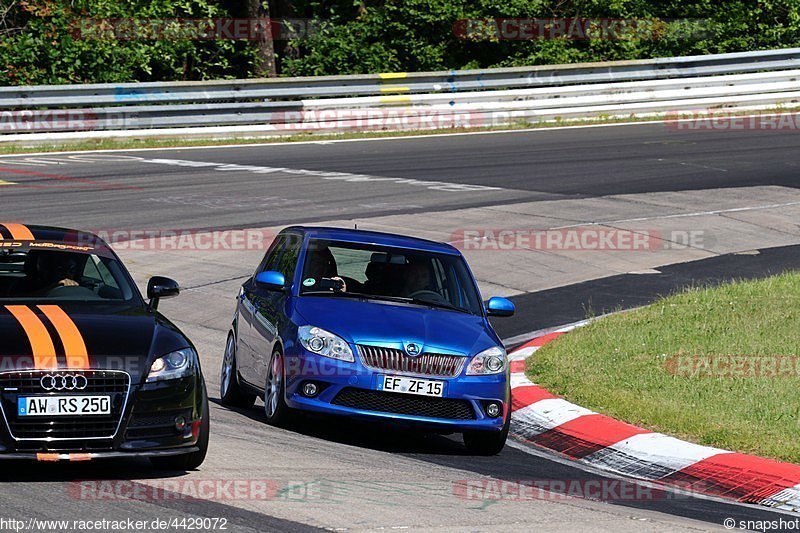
<point x="748" y="79"/>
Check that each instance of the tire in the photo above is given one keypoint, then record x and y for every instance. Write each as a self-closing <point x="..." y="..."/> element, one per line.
<point x="275" y="408"/>
<point x="231" y="392"/>
<point x="188" y="461"/>
<point x="487" y="442"/>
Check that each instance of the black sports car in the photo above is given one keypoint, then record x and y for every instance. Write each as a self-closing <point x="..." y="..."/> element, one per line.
<point x="88" y="369"/>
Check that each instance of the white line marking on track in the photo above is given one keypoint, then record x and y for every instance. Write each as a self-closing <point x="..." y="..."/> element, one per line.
<point x="326" y="175"/>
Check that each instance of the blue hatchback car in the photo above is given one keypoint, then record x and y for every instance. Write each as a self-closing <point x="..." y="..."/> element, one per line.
<point x="373" y="325"/>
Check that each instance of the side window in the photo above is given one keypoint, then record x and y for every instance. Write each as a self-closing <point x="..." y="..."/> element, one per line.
<point x="90" y="270"/>
<point x="271" y="257"/>
<point x="105" y="273"/>
<point x="96" y="271"/>
<point x="287" y="262"/>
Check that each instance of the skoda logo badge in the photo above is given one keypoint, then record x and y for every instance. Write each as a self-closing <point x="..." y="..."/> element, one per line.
<point x="413" y="349"/>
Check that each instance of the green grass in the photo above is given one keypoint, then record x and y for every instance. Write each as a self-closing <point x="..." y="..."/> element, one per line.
<point x="23" y="147"/>
<point x="618" y="366"/>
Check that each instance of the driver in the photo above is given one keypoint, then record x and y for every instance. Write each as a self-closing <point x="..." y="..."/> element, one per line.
<point x="57" y="269"/>
<point x="320" y="264"/>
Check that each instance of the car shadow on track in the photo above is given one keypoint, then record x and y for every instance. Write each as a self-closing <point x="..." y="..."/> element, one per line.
<point x="382" y="436"/>
<point x="107" y="469"/>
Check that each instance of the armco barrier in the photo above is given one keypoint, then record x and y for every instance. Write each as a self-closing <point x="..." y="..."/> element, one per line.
<point x="404" y="101"/>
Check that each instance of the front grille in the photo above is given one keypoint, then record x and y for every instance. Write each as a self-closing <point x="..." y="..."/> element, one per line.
<point x="71" y="428"/>
<point x="156" y="425"/>
<point x="427" y="364"/>
<point x="404" y="404"/>
<point x="99" y="382"/>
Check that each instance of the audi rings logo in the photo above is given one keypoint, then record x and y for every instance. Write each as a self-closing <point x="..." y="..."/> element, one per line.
<point x="62" y="382"/>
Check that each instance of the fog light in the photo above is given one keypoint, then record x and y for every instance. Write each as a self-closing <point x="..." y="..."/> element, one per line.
<point x="180" y="423"/>
<point x="493" y="409"/>
<point x="310" y="389"/>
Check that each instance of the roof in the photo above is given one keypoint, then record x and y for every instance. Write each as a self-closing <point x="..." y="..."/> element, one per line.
<point x="375" y="237"/>
<point x="26" y="233"/>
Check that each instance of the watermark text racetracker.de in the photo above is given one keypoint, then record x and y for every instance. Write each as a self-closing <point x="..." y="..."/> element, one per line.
<point x="733" y="366"/>
<point x="177" y="240"/>
<point x="217" y="489"/>
<point x="33" y="120"/>
<point x="230" y="29"/>
<point x="585" y="238"/>
<point x="295" y="366"/>
<point x="184" y="523"/>
<point x="389" y="119"/>
<point x="716" y="122"/>
<point x="579" y="29"/>
<point x="601" y="489"/>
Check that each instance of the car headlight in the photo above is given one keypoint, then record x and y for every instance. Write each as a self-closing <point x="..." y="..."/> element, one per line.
<point x="491" y="361"/>
<point x="325" y="343"/>
<point x="178" y="364"/>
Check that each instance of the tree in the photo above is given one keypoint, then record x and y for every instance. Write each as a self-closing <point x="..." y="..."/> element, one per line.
<point x="265" y="65"/>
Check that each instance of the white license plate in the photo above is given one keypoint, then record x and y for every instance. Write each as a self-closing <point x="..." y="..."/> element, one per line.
<point x="64" y="405"/>
<point x="421" y="387"/>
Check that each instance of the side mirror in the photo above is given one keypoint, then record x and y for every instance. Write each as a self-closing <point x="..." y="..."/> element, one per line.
<point x="498" y="306"/>
<point x="271" y="280"/>
<point x="160" y="287"/>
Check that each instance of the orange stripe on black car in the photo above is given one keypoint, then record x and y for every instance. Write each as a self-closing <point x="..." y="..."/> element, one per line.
<point x="44" y="352"/>
<point x="71" y="338"/>
<point x="18" y="231"/>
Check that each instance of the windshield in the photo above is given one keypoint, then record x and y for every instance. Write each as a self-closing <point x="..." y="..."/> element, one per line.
<point x="367" y="270"/>
<point x="46" y="274"/>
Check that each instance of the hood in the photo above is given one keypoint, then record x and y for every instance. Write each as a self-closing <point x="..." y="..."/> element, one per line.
<point x="387" y="323"/>
<point x="77" y="335"/>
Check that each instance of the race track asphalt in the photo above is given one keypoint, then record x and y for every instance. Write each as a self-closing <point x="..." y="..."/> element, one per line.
<point x="349" y="476"/>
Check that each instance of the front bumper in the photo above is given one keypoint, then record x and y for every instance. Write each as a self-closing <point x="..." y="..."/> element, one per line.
<point x="339" y="379"/>
<point x="80" y="457"/>
<point x="145" y="426"/>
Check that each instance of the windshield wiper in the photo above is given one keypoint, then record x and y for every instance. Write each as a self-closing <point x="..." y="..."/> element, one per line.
<point x="417" y="301"/>
<point x="398" y="299"/>
<point x="333" y="293"/>
<point x="441" y="305"/>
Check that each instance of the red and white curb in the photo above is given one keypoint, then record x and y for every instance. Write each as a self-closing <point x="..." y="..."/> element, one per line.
<point x="545" y="420"/>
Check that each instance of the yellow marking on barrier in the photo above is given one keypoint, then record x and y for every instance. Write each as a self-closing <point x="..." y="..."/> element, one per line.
<point x="393" y="75"/>
<point x="396" y="99"/>
<point x="395" y="89"/>
<point x="3" y="182"/>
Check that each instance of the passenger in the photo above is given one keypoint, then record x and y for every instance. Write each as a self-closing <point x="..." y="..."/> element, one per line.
<point x="417" y="278"/>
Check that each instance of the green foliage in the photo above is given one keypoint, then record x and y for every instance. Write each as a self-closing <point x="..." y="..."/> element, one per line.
<point x="413" y="35"/>
<point x="38" y="44"/>
<point x="52" y="42"/>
